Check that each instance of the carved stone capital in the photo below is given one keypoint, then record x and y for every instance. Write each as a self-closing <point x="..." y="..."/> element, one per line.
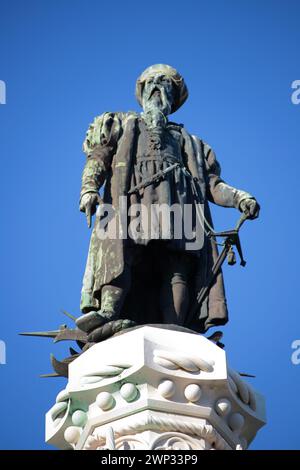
<point x="153" y="388"/>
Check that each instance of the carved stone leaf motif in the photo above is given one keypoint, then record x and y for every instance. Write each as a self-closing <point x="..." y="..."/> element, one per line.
<point x="174" y="441"/>
<point x="241" y="389"/>
<point x="131" y="443"/>
<point x="58" y="409"/>
<point x="103" y="372"/>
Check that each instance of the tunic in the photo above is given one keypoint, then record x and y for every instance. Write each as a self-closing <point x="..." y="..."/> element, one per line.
<point x="156" y="150"/>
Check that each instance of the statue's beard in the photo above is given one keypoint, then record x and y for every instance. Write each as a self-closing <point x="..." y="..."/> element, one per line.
<point x="157" y="100"/>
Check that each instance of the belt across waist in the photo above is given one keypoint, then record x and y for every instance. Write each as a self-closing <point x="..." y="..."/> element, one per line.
<point x="154" y="179"/>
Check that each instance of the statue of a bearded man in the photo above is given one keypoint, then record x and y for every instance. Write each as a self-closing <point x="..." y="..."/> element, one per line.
<point x="153" y="276"/>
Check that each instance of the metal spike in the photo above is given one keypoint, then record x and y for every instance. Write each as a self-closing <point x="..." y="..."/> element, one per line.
<point x="45" y="334"/>
<point x="71" y="334"/>
<point x="243" y="374"/>
<point x="61" y="368"/>
<point x="46" y="376"/>
<point x="73" y="352"/>
<point x="216" y="336"/>
<point x="69" y="315"/>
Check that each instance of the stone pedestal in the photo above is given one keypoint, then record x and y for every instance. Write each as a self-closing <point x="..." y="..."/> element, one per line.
<point x="153" y="388"/>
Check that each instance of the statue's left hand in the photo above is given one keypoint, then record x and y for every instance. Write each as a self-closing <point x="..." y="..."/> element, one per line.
<point x="250" y="208"/>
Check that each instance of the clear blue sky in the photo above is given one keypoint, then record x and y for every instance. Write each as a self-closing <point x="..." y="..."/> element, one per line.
<point x="66" y="61"/>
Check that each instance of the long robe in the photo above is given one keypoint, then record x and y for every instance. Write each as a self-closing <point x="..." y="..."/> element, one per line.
<point x="110" y="146"/>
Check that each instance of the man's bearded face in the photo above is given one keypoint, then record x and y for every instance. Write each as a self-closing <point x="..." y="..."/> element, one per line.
<point x="158" y="94"/>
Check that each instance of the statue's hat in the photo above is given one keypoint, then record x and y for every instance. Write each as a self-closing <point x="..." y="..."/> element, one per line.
<point x="181" y="91"/>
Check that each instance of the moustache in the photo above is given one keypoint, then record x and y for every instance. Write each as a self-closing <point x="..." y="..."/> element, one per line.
<point x="159" y="92"/>
<point x="155" y="91"/>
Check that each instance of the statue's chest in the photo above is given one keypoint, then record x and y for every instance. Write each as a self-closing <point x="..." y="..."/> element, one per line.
<point x="159" y="143"/>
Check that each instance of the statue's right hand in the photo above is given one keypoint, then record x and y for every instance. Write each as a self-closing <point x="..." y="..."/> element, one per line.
<point x="88" y="204"/>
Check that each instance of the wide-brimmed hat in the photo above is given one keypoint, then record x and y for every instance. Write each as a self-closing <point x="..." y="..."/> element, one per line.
<point x="181" y="91"/>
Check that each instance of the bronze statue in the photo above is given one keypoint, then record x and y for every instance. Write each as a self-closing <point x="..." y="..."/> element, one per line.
<point x="157" y="266"/>
<point x="147" y="160"/>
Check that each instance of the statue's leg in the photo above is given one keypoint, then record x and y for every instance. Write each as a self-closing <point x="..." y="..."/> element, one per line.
<point x="176" y="268"/>
<point x="114" y="294"/>
<point x="103" y="323"/>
